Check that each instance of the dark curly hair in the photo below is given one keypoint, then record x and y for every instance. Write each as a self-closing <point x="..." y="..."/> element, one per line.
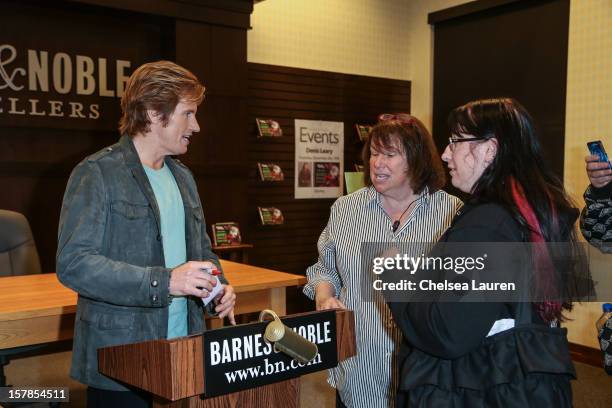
<point x="424" y="163"/>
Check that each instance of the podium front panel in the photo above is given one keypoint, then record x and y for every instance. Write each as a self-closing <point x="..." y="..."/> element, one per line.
<point x="238" y="358"/>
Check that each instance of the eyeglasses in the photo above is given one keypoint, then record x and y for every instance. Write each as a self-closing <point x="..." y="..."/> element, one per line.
<point x="454" y="139"/>
<point x="404" y="118"/>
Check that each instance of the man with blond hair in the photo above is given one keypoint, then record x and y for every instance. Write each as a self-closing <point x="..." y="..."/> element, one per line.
<point x="132" y="235"/>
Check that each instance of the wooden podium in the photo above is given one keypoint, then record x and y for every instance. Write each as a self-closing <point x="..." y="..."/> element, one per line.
<point x="173" y="370"/>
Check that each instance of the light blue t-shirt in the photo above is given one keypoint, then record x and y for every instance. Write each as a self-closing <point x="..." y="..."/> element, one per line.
<point x="172" y="216"/>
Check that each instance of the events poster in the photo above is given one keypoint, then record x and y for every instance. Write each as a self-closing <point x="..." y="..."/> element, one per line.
<point x="319" y="158"/>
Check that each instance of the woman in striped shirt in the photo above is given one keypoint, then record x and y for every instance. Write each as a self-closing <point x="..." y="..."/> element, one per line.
<point x="402" y="203"/>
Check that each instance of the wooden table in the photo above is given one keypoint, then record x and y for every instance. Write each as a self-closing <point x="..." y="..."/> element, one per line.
<point x="38" y="309"/>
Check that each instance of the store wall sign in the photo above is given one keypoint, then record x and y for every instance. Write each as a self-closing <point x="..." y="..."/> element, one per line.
<point x="39" y="87"/>
<point x="319" y="159"/>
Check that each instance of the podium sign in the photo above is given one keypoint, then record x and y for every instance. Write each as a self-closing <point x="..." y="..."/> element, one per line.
<point x="243" y="372"/>
<point x="238" y="357"/>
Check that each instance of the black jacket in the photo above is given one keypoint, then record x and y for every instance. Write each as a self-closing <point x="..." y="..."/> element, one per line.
<point x="596" y="217"/>
<point x="447" y="360"/>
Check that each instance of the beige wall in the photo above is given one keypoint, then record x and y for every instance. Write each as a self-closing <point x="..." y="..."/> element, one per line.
<point x="392" y="39"/>
<point x="365" y="37"/>
<point x="381" y="38"/>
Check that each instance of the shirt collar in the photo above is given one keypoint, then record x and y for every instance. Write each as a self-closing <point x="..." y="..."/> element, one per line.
<point x="373" y="197"/>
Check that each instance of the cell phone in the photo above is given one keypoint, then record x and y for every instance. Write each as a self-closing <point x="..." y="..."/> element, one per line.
<point x="597" y="149"/>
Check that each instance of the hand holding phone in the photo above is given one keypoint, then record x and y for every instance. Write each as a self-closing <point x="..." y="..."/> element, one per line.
<point x="597" y="149"/>
<point x="599" y="168"/>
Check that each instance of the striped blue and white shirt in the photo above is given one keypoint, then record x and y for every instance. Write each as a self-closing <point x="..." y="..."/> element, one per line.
<point x="370" y="378"/>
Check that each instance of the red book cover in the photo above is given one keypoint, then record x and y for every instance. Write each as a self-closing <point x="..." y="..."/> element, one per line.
<point x="226" y="234"/>
<point x="270" y="172"/>
<point x="270" y="216"/>
<point x="268" y="128"/>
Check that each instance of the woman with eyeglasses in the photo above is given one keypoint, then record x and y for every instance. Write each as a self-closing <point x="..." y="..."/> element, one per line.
<point x="402" y="203"/>
<point x="496" y="354"/>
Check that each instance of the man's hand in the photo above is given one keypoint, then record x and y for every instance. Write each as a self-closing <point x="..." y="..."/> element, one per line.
<point x="325" y="297"/>
<point x="225" y="301"/>
<point x="192" y="279"/>
<point x="599" y="172"/>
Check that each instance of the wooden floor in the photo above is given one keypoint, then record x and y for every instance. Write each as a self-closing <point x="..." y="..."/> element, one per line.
<point x="593" y="389"/>
<point x="52" y="369"/>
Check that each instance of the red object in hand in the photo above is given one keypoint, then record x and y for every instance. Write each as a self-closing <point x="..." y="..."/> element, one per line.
<point x="215" y="272"/>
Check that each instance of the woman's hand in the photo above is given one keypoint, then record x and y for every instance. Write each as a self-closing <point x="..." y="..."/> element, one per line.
<point x="325" y="297"/>
<point x="599" y="172"/>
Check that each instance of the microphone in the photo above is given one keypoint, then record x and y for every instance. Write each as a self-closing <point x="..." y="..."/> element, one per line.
<point x="395" y="225"/>
<point x="287" y="340"/>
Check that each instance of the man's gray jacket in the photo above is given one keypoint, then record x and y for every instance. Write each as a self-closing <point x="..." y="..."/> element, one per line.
<point x="110" y="252"/>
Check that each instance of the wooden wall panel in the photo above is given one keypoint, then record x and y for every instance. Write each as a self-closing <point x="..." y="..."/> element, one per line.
<point x="217" y="55"/>
<point x="529" y="64"/>
<point x="285" y="94"/>
<point x="207" y="37"/>
<point x="35" y="161"/>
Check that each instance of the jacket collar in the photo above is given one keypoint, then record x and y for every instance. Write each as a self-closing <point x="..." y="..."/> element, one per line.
<point x="129" y="152"/>
<point x="132" y="161"/>
<point x="182" y="180"/>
